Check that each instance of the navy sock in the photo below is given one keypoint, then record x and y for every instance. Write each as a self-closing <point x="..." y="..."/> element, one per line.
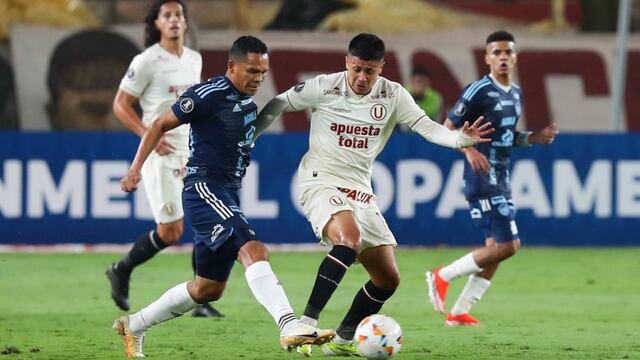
<point x="368" y="300"/>
<point x="330" y="273"/>
<point x="144" y="249"/>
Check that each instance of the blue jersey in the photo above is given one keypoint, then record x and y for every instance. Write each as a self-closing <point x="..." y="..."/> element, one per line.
<point x="502" y="110"/>
<point x="221" y="134"/>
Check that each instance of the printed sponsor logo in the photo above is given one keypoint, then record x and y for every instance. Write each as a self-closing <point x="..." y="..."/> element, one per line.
<point x="357" y="195"/>
<point x="335" y="91"/>
<point x="169" y="208"/>
<point x="299" y="87"/>
<point x="131" y="73"/>
<point x="460" y="109"/>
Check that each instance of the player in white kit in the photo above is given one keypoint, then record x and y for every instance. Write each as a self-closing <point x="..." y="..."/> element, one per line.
<point x="156" y="78"/>
<point x="353" y="113"/>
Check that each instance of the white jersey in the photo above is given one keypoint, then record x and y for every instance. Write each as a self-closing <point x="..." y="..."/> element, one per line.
<point x="348" y="131"/>
<point x="158" y="77"/>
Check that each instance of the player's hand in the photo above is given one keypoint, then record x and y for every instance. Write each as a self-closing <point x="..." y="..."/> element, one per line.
<point x="477" y="160"/>
<point x="129" y="183"/>
<point x="475" y="133"/>
<point x="545" y="136"/>
<point x="164" y="147"/>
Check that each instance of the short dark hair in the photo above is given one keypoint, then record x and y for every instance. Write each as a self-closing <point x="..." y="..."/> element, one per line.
<point x="246" y="44"/>
<point x="500" y="35"/>
<point x="151" y="33"/>
<point x="367" y="47"/>
<point x="102" y="49"/>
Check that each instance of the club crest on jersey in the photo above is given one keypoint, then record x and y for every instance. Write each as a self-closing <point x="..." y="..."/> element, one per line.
<point x="186" y="105"/>
<point x="336" y="201"/>
<point x="460" y="109"/>
<point x="378" y="112"/>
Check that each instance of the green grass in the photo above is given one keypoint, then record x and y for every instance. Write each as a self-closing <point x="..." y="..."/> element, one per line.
<point x="544" y="304"/>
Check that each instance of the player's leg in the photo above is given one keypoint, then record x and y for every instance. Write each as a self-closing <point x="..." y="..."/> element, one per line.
<point x="206" y="309"/>
<point x="502" y="243"/>
<point x="146" y="247"/>
<point x="378" y="258"/>
<point x="334" y="224"/>
<point x="163" y="187"/>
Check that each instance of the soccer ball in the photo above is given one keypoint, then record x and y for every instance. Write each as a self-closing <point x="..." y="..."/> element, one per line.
<point x="378" y="337"/>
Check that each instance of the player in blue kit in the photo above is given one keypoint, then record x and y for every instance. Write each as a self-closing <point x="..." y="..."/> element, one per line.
<point x="486" y="178"/>
<point x="221" y="112"/>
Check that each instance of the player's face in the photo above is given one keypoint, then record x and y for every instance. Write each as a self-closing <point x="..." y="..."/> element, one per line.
<point x="248" y="74"/>
<point x="362" y="74"/>
<point x="171" y="21"/>
<point x="501" y="58"/>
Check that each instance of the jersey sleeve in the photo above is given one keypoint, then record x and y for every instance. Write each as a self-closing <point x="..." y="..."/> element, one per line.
<point x="138" y="76"/>
<point x="464" y="110"/>
<point x="407" y="111"/>
<point x="304" y="95"/>
<point x="189" y="107"/>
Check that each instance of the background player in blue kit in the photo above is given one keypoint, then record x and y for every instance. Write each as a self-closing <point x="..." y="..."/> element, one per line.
<point x="221" y="112"/>
<point x="486" y="178"/>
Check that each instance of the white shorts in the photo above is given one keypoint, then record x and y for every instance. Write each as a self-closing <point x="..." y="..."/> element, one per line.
<point x="162" y="177"/>
<point x="319" y="202"/>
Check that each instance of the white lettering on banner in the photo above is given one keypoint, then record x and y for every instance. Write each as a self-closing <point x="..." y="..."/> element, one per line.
<point x="628" y="188"/>
<point x="107" y="199"/>
<point x="452" y="197"/>
<point x="71" y="191"/>
<point x="416" y="181"/>
<point x="527" y="188"/>
<point x="252" y="206"/>
<point x="382" y="181"/>
<point x="570" y="194"/>
<point x="11" y="189"/>
<point x="409" y="192"/>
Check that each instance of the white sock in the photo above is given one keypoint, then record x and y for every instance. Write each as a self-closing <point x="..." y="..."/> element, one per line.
<point x="464" y="266"/>
<point x="309" y="321"/>
<point x="173" y="303"/>
<point x="471" y="294"/>
<point x="269" y="292"/>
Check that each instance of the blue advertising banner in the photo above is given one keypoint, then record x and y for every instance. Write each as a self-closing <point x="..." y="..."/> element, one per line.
<point x="583" y="190"/>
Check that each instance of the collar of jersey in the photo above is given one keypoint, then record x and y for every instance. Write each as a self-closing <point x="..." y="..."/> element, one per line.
<point x="499" y="87"/>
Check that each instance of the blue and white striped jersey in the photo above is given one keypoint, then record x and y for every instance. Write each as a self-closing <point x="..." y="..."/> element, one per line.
<point x="502" y="109"/>
<point x="221" y="134"/>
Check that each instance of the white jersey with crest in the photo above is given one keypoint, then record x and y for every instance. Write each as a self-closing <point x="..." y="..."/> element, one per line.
<point x="158" y="77"/>
<point x="348" y="131"/>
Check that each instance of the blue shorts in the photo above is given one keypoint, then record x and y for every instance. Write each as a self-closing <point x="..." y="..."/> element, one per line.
<point x="220" y="227"/>
<point x="496" y="217"/>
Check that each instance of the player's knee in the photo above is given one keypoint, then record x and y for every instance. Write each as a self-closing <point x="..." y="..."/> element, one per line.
<point x="170" y="234"/>
<point x="207" y="293"/>
<point x="351" y="239"/>
<point x="252" y="252"/>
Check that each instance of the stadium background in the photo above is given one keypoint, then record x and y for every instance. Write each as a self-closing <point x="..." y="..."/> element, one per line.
<point x="570" y="293"/>
<point x="61" y="187"/>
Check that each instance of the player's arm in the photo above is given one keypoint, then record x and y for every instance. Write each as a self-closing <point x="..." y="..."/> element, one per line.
<point x="274" y="108"/>
<point x="476" y="159"/>
<point x="545" y="136"/>
<point x="150" y="140"/>
<point x="125" y="112"/>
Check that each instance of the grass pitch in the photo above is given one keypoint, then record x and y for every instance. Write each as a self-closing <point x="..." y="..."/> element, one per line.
<point x="543" y="304"/>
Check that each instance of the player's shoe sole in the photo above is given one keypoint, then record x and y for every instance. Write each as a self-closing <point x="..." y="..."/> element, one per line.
<point x="461" y="320"/>
<point x="436" y="296"/>
<point x="119" y="288"/>
<point x="132" y="343"/>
